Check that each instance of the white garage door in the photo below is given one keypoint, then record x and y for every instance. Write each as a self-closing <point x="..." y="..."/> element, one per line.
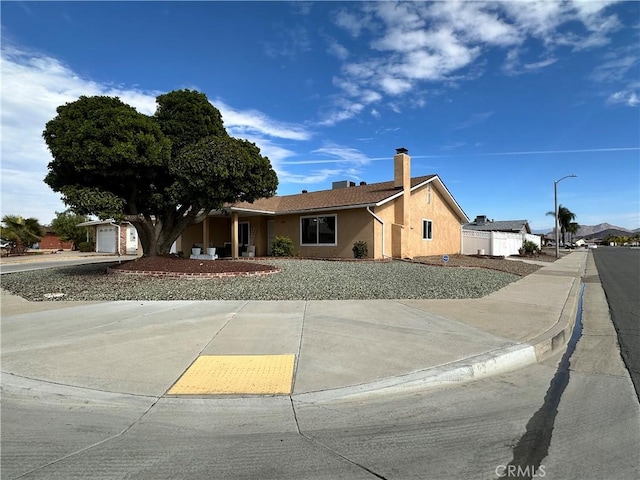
<point x="106" y="240"/>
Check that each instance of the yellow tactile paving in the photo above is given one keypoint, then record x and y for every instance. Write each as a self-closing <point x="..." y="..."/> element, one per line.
<point x="237" y="374"/>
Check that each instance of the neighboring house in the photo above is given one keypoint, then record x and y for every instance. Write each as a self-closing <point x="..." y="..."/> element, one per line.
<point x="483" y="224"/>
<point x="50" y="241"/>
<point x="111" y="237"/>
<point x="499" y="238"/>
<point x="402" y="218"/>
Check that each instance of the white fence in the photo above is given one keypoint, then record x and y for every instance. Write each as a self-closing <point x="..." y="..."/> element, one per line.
<point x="495" y="243"/>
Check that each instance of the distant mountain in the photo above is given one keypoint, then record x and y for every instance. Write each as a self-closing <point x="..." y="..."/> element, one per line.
<point x="616" y="232"/>
<point x="601" y="230"/>
<point x="588" y="231"/>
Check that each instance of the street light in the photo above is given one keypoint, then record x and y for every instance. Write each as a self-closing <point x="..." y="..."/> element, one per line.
<point x="555" y="198"/>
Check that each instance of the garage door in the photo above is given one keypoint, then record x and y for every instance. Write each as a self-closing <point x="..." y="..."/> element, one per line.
<point x="106" y="240"/>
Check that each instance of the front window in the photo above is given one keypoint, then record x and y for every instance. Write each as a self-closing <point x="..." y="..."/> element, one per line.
<point x="427" y="229"/>
<point x="318" y="230"/>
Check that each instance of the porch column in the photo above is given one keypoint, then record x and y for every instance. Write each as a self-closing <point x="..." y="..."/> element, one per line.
<point x="234" y="235"/>
<point x="205" y="234"/>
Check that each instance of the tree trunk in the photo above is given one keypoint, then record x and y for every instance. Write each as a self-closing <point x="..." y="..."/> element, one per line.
<point x="157" y="237"/>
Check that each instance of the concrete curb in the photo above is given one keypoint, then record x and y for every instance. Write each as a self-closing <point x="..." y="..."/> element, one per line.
<point x="469" y="369"/>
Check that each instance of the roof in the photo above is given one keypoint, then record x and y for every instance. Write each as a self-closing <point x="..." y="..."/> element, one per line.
<point x="361" y="196"/>
<point x="499" y="226"/>
<point x="93" y="223"/>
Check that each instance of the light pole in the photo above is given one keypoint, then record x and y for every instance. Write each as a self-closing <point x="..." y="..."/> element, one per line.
<point x="555" y="198"/>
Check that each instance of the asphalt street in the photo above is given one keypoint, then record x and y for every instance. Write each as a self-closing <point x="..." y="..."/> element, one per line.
<point x="619" y="270"/>
<point x="41" y="262"/>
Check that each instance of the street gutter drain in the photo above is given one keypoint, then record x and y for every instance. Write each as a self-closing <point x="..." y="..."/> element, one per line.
<point x="237" y="374"/>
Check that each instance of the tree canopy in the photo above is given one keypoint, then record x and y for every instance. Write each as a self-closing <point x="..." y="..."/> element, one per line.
<point x="65" y="226"/>
<point x="162" y="173"/>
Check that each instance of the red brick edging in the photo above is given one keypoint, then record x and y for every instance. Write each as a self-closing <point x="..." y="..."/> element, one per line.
<point x="194" y="276"/>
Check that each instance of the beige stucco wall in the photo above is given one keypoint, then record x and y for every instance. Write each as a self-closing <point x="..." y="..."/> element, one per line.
<point x="352" y="225"/>
<point x="446" y="225"/>
<point x="387" y="214"/>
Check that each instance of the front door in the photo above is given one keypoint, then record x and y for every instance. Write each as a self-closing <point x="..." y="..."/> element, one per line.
<point x="243" y="234"/>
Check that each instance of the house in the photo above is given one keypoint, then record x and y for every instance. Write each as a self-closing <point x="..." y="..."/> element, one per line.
<point x="483" y="224"/>
<point x="50" y="241"/>
<point x="499" y="238"/>
<point x="112" y="237"/>
<point x="402" y="218"/>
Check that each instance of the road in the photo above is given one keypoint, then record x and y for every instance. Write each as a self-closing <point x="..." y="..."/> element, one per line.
<point x="13" y="265"/>
<point x="619" y="270"/>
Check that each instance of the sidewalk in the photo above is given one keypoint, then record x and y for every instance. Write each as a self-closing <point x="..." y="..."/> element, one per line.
<point x="341" y="349"/>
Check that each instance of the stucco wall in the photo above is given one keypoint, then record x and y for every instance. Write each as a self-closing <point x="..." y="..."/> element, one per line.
<point x="386" y="213"/>
<point x="352" y="225"/>
<point x="446" y="225"/>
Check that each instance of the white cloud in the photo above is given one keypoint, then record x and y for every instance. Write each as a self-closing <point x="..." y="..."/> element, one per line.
<point x="411" y="43"/>
<point x="615" y="69"/>
<point x="350" y="22"/>
<point x="34" y="85"/>
<point x="337" y="50"/>
<point x="626" y="97"/>
<point x="475" y="119"/>
<point x="343" y="154"/>
<point x="514" y="66"/>
<point x="394" y="86"/>
<point x="240" y="123"/>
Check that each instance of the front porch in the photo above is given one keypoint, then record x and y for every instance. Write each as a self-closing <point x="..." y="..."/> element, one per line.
<point x="232" y="234"/>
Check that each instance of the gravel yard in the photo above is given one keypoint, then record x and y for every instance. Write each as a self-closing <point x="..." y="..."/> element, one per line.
<point x="297" y="280"/>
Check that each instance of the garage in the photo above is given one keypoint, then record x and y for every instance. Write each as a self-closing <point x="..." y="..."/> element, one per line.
<point x="106" y="239"/>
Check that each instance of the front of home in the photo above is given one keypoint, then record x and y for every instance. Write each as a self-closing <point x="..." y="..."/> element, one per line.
<point x="113" y="237"/>
<point x="402" y="218"/>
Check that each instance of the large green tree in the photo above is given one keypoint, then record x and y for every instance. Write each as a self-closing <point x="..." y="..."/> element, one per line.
<point x="565" y="219"/>
<point x="65" y="226"/>
<point x="162" y="173"/>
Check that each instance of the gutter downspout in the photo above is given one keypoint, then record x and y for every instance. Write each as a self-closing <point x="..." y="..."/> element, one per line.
<point x="381" y="223"/>
<point x="119" y="239"/>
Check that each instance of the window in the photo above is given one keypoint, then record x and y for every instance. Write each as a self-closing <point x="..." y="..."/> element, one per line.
<point x="318" y="230"/>
<point x="427" y="229"/>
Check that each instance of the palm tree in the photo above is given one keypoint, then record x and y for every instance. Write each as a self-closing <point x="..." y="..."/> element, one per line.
<point x="565" y="217"/>
<point x="573" y="229"/>
<point x="20" y="232"/>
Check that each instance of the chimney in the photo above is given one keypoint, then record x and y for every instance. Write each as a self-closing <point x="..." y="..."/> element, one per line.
<point x="401" y="169"/>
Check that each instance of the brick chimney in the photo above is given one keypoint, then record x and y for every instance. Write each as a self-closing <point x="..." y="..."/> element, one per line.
<point x="402" y="168"/>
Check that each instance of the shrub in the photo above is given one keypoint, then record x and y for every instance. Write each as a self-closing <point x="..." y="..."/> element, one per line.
<point x="282" y="247"/>
<point x="529" y="246"/>
<point x="87" y="246"/>
<point x="360" y="249"/>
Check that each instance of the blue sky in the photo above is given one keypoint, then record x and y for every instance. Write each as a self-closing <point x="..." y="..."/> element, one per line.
<point x="499" y="99"/>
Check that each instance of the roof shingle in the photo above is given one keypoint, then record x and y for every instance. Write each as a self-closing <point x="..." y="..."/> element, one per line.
<point x="361" y="195"/>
